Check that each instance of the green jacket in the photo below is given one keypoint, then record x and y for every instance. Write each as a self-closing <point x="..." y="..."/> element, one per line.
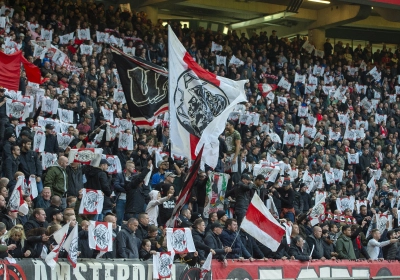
<point x="57" y="180"/>
<point x="344" y="247"/>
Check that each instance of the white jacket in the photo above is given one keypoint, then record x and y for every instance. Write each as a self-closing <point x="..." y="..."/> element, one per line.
<point x="152" y="207"/>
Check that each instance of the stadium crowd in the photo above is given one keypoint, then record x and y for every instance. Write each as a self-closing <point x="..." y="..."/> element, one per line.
<point x="139" y="212"/>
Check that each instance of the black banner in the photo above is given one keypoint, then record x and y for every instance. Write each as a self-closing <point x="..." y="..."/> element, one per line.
<point x="145" y="87"/>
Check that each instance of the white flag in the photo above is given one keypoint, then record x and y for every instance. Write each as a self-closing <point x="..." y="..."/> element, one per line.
<point x="59" y="236"/>
<point x="206" y="267"/>
<point x="92" y="202"/>
<point x="162" y="264"/>
<point x="71" y="246"/>
<point x="39" y="141"/>
<point x="180" y="240"/>
<point x="215" y="47"/>
<point x="100" y="236"/>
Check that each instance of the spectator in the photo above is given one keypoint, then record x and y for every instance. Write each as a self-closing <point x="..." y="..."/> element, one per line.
<point x="43" y="200"/>
<point x="152" y="208"/>
<point x="38" y="220"/>
<point x="57" y="180"/>
<point x="30" y="164"/>
<point x="127" y="243"/>
<point x="374" y="247"/>
<point x="298" y="251"/>
<point x="212" y="240"/>
<point x="136" y="195"/>
<point x="228" y="238"/>
<point x="75" y="178"/>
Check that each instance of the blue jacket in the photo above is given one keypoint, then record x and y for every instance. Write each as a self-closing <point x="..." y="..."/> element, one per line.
<point x="238" y="249"/>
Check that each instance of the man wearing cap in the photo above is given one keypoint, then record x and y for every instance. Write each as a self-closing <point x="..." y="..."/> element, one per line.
<point x="222" y="217"/>
<point x="56" y="215"/>
<point x="3" y="114"/>
<point x="55" y="203"/>
<point x="212" y="240"/>
<point x="85" y="125"/>
<point x="51" y="143"/>
<point x="98" y="179"/>
<point x="57" y="180"/>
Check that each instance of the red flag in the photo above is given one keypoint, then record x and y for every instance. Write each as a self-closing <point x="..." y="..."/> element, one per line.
<point x="10" y="70"/>
<point x="32" y="71"/>
<point x="185" y="193"/>
<point x="260" y="224"/>
<point x="266" y="88"/>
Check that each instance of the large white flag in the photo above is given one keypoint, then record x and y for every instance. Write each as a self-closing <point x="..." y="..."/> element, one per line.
<point x="71" y="246"/>
<point x="59" y="236"/>
<point x="200" y="103"/>
<point x="100" y="236"/>
<point x="180" y="240"/>
<point x="260" y="224"/>
<point x="162" y="265"/>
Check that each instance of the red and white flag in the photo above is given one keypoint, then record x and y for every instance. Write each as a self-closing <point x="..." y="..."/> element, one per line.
<point x="180" y="240"/>
<point x="200" y="104"/>
<point x="260" y="224"/>
<point x="162" y="264"/>
<point x="266" y="88"/>
<point x="71" y="246"/>
<point x="17" y="196"/>
<point x="85" y="156"/>
<point x="92" y="202"/>
<point x="206" y="266"/>
<point x="59" y="236"/>
<point x="100" y="236"/>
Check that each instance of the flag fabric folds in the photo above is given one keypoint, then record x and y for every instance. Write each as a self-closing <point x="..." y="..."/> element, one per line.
<point x="145" y="87"/>
<point x="260" y="224"/>
<point x="59" y="236"/>
<point x="206" y="266"/>
<point x="199" y="102"/>
<point x="71" y="246"/>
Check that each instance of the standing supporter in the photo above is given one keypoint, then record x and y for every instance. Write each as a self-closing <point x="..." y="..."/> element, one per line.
<point x="57" y="180"/>
<point x="30" y="164"/>
<point x="127" y="243"/>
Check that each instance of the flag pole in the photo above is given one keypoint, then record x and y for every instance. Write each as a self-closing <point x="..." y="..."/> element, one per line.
<point x="233" y="241"/>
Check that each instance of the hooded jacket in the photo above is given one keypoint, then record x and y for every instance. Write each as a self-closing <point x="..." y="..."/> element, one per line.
<point x="152" y="207"/>
<point x="30" y="164"/>
<point x="127" y="244"/>
<point x="75" y="180"/>
<point x="57" y="179"/>
<point x="97" y="179"/>
<point x="344" y="248"/>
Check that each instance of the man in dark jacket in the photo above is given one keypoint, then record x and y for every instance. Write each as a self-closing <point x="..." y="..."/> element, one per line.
<point x="30" y="164"/>
<point x="10" y="218"/>
<point x="306" y="197"/>
<point x="287" y="200"/>
<point x="315" y="240"/>
<point x="127" y="243"/>
<point x="242" y="194"/>
<point x="229" y="239"/>
<point x="119" y="187"/>
<point x="251" y="245"/>
<point x="75" y="179"/>
<point x="51" y="144"/>
<point x="38" y="220"/>
<point x="55" y="204"/>
<point x="141" y="232"/>
<point x="298" y="251"/>
<point x="136" y="195"/>
<point x="212" y="240"/>
<point x="10" y="166"/>
<point x="97" y="179"/>
<point x="344" y="245"/>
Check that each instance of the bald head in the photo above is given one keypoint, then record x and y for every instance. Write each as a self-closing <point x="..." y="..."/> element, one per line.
<point x="63" y="162"/>
<point x="317" y="231"/>
<point x="56" y="200"/>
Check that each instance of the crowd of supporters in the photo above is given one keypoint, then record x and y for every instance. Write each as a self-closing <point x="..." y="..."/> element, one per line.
<point x="139" y="211"/>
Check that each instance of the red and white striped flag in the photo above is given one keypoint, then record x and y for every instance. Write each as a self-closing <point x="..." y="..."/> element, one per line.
<point x="59" y="236"/>
<point x="17" y="196"/>
<point x="260" y="224"/>
<point x="200" y="104"/>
